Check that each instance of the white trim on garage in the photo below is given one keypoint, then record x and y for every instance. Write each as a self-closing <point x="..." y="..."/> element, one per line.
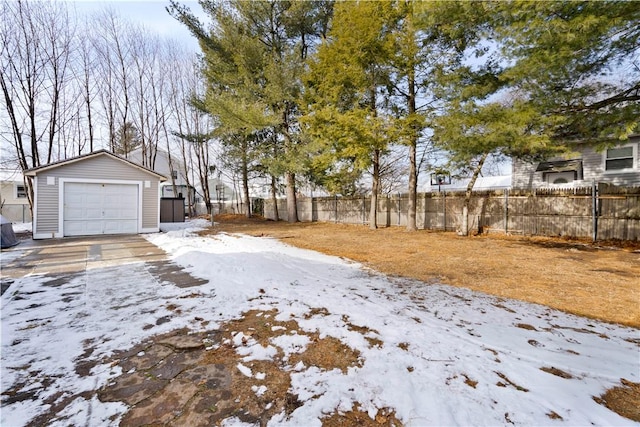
<point x="63" y="181"/>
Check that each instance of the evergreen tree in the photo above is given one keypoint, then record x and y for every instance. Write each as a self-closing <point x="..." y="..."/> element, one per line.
<point x="536" y="80"/>
<point x="346" y="94"/>
<point x="127" y="139"/>
<point x="577" y="61"/>
<point x="253" y="57"/>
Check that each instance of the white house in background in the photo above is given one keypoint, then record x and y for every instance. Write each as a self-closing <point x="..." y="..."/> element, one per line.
<point x="483" y="183"/>
<point x="14" y="203"/>
<point x="175" y="173"/>
<point x="617" y="165"/>
<point x="224" y="197"/>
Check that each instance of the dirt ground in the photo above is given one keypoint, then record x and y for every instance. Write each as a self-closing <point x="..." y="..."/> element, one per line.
<point x="599" y="281"/>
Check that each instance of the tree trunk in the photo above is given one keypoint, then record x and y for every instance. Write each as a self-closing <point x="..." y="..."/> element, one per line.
<point x="245" y="178"/>
<point x="413" y="189"/>
<point x="413" y="172"/>
<point x="464" y="229"/>
<point x="203" y="169"/>
<point x="292" y="205"/>
<point x="375" y="189"/>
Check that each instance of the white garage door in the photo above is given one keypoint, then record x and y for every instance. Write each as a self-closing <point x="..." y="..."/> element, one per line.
<point x="91" y="209"/>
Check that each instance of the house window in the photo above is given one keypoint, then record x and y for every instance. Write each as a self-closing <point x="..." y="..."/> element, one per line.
<point x="559" y="178"/>
<point x="174" y="174"/>
<point x="21" y="191"/>
<point x="619" y="158"/>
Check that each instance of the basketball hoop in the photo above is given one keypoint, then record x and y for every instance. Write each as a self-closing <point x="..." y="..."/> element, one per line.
<point x="440" y="179"/>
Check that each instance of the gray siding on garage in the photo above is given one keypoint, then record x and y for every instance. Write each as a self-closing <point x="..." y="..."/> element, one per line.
<point x="101" y="167"/>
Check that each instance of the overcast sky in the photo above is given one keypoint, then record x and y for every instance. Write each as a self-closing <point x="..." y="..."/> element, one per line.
<point x="151" y="13"/>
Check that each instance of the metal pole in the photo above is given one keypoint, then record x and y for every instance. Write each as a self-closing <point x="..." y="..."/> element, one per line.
<point x="425" y="212"/>
<point x="388" y="218"/>
<point x="444" y="210"/>
<point x="364" y="209"/>
<point x="594" y="210"/>
<point x="506" y="211"/>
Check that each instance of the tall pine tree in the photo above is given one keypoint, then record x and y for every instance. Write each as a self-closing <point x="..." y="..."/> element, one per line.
<point x="253" y="55"/>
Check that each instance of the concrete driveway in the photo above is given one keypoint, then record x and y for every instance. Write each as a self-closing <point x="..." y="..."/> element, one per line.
<point x="74" y="296"/>
<point x="71" y="256"/>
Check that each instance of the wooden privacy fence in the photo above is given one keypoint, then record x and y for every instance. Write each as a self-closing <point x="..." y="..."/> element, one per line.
<point x="600" y="212"/>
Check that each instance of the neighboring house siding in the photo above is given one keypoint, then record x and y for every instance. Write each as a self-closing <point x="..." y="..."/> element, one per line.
<point x="8" y="193"/>
<point x="593" y="169"/>
<point x="161" y="165"/>
<point x="15" y="209"/>
<point x="524" y="175"/>
<point x="97" y="168"/>
<point x="14" y="203"/>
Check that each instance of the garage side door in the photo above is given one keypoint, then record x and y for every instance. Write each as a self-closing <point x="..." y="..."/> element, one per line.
<point x="91" y="209"/>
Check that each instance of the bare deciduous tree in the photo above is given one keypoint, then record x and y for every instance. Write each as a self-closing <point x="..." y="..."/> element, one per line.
<point x="36" y="40"/>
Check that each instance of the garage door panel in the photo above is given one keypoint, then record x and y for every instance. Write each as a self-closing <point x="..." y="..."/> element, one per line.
<point x="119" y="227"/>
<point x="71" y="213"/>
<point x="74" y="229"/>
<point x="82" y="228"/>
<point x="92" y="227"/>
<point x="92" y="208"/>
<point x="124" y="213"/>
<point x="92" y="213"/>
<point x="82" y="213"/>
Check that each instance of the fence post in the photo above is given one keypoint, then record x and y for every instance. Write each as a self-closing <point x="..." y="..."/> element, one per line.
<point x="594" y="210"/>
<point x="388" y="219"/>
<point x="364" y="209"/>
<point x="335" y="198"/>
<point x="444" y="211"/>
<point x="399" y="206"/>
<point x="506" y="211"/>
<point x="535" y="209"/>
<point x="424" y="225"/>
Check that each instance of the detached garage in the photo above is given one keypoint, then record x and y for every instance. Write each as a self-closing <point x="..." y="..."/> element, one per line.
<point x="94" y="194"/>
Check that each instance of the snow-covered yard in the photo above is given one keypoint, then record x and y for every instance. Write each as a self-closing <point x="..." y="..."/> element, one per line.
<point x="445" y="355"/>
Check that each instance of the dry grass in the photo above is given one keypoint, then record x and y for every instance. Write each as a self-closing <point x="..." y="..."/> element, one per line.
<point x="624" y="400"/>
<point x="576" y="277"/>
<point x="253" y="406"/>
<point x="357" y="417"/>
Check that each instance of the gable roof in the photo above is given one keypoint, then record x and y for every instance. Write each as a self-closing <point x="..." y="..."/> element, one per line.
<point x="36" y="170"/>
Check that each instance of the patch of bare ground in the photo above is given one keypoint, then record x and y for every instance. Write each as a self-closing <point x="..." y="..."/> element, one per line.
<point x="357" y="417"/>
<point x="554" y="416"/>
<point x="593" y="280"/>
<point x="557" y="372"/>
<point x="623" y="400"/>
<point x="261" y="387"/>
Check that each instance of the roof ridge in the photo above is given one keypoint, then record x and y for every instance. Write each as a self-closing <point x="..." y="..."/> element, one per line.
<point x="102" y="151"/>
